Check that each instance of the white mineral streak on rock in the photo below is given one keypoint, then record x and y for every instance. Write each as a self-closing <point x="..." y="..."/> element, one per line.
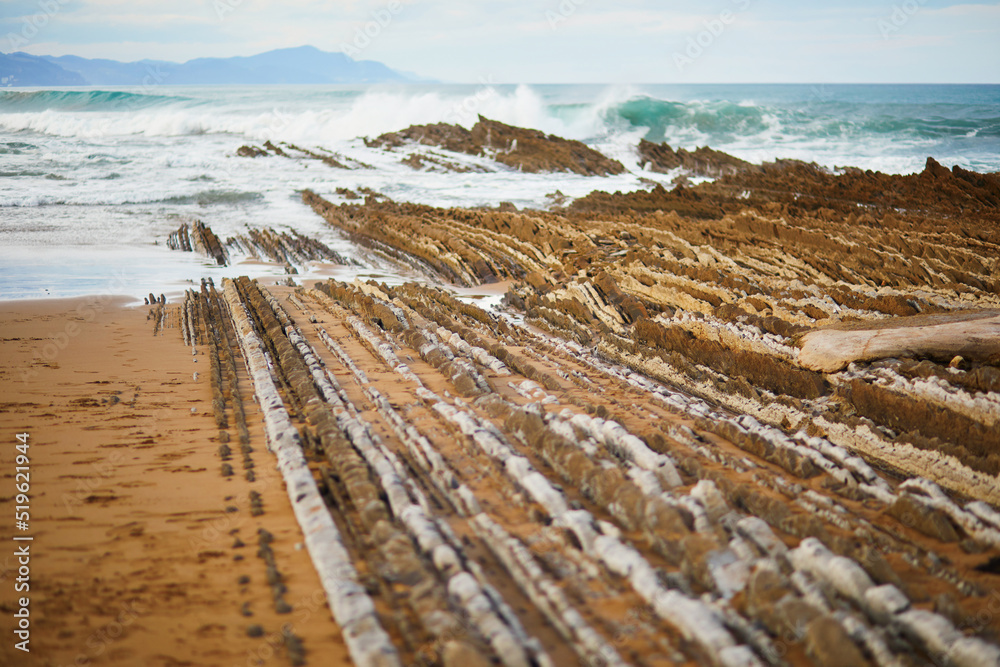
<point x="884" y="602"/>
<point x="467" y="593"/>
<point x="871" y="639"/>
<point x="381" y="348"/>
<point x="941" y="468"/>
<point x="842" y="456"/>
<point x="973" y="652"/>
<point x="588" y="296"/>
<point x="477" y="354"/>
<point x="733" y="334"/>
<point x="831" y="350"/>
<point x="817" y="449"/>
<point x="186" y="327"/>
<point x="759" y="532"/>
<point x="316" y="369"/>
<point x="427" y="456"/>
<point x="711" y="499"/>
<point x="424" y="530"/>
<point x="843" y="574"/>
<point x="545" y="594"/>
<point x="533" y="392"/>
<point x="931" y="494"/>
<point x="352" y="609"/>
<point x="751" y="632"/>
<point x="983" y="407"/>
<point x="779" y="439"/>
<point x="729" y="572"/>
<point x="562" y="426"/>
<point x="383" y="298"/>
<point x="434" y="344"/>
<point x="296" y="302"/>
<point x="985" y="513"/>
<point x="932" y="632"/>
<point x="628" y="447"/>
<point x="646" y="480"/>
<point x="334" y="347"/>
<point x="694" y="619"/>
<point x="413" y="515"/>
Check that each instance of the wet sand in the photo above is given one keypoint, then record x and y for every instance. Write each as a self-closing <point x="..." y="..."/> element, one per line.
<point x="133" y="559"/>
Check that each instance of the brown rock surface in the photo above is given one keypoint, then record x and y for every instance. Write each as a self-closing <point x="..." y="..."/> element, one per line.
<point x="523" y="149"/>
<point x="703" y="161"/>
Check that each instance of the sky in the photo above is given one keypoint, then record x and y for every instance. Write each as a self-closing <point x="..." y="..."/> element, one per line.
<point x="545" y="41"/>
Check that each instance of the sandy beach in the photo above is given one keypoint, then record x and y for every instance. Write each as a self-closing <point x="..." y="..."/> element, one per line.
<point x="134" y="558"/>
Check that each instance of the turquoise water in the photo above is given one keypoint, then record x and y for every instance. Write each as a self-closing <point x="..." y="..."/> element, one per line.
<point x="888" y="127"/>
<point x="118" y="169"/>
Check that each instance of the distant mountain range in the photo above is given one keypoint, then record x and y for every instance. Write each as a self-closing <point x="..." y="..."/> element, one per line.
<point x="303" y="64"/>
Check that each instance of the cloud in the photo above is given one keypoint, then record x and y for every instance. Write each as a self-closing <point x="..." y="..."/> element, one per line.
<point x="518" y="40"/>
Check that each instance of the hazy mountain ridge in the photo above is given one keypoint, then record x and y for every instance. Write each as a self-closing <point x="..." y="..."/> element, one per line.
<point x="22" y="69"/>
<point x="300" y="65"/>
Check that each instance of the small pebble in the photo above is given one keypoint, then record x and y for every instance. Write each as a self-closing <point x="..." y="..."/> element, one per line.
<point x="255" y="631"/>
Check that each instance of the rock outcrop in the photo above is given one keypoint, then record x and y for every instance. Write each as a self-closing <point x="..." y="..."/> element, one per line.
<point x="749" y="422"/>
<point x="523" y="149"/>
<point x="703" y="161"/>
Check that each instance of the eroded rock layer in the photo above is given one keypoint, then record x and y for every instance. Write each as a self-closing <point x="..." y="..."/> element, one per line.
<point x="523" y="149"/>
<point x="290" y="249"/>
<point x="701" y="162"/>
<point x="498" y="492"/>
<point x="712" y="295"/>
<point x="750" y="422"/>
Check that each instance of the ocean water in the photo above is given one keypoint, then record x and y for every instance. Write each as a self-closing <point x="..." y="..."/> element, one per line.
<point x="93" y="180"/>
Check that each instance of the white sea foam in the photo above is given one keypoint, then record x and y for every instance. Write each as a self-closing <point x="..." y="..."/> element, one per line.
<point x="71" y="160"/>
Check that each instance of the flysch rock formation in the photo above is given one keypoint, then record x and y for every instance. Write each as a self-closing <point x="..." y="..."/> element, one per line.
<point x="495" y="493"/>
<point x="522" y="149"/>
<point x="703" y="161"/>
<point x="293" y="152"/>
<point x="751" y="422"/>
<point x="290" y="249"/>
